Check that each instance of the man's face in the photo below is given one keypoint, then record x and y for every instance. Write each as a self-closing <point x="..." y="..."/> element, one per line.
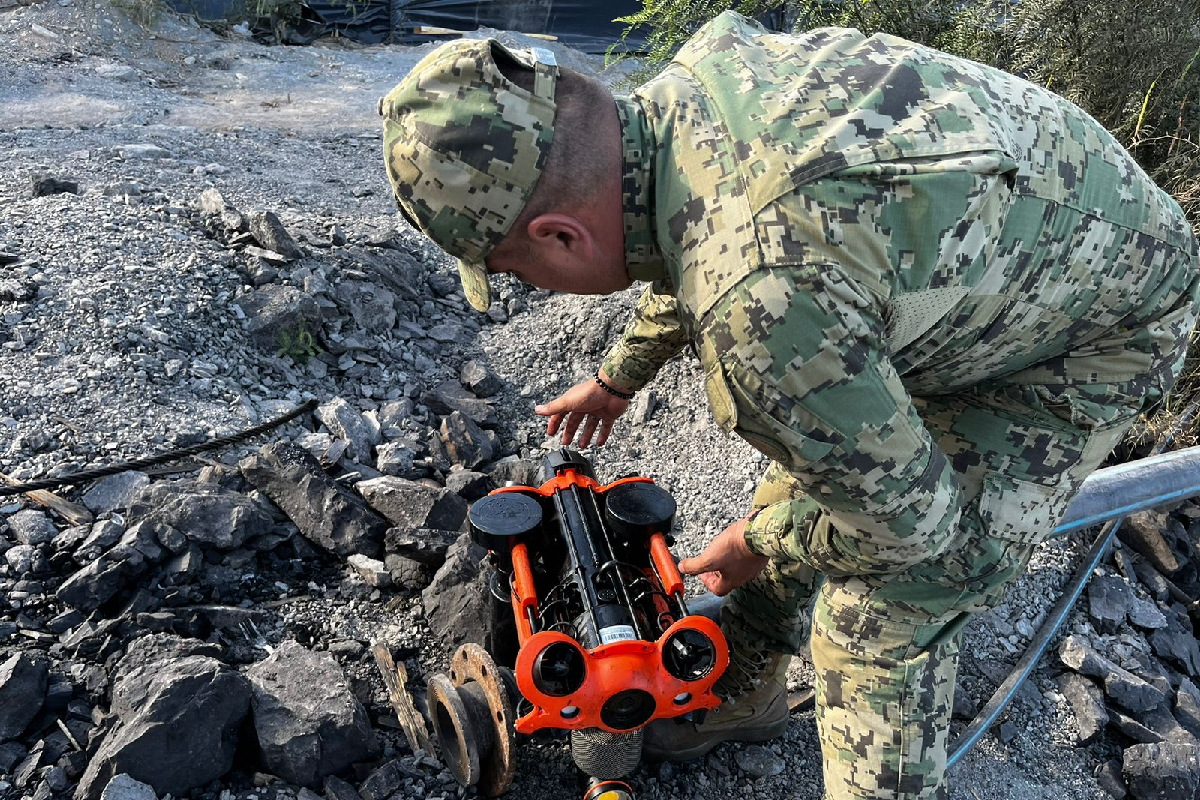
<point x="559" y="270"/>
<point x="522" y="263"/>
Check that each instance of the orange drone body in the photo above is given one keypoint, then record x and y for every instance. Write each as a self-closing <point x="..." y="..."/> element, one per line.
<point x="624" y="680"/>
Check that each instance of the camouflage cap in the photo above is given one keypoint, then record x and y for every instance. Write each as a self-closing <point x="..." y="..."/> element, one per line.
<point x="464" y="147"/>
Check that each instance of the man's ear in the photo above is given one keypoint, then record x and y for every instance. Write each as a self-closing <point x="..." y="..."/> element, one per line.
<point x="561" y="234"/>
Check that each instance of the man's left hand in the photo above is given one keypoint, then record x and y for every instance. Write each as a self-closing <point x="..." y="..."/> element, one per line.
<point x="727" y="562"/>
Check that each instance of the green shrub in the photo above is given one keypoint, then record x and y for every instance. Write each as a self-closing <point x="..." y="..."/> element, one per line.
<point x="298" y="344"/>
<point x="143" y="13"/>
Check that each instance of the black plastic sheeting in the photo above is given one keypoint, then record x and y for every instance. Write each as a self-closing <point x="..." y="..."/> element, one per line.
<point x="584" y="26"/>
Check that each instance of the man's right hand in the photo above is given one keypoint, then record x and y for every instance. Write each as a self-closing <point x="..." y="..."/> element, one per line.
<point x="584" y="403"/>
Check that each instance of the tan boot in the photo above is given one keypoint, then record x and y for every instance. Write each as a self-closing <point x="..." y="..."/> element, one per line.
<point x="754" y="709"/>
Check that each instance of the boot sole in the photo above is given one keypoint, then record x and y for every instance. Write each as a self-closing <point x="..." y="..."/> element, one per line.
<point x="765" y="733"/>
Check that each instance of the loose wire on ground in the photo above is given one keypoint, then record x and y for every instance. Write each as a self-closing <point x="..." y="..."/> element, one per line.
<point x="150" y="461"/>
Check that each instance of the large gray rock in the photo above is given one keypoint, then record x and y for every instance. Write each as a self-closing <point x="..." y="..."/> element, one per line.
<point x="211" y="203"/>
<point x="395" y="458"/>
<point x="23" y="682"/>
<point x="349" y="424"/>
<point x="338" y="789"/>
<point x="219" y="215"/>
<point x="115" y="491"/>
<point x="469" y="484"/>
<point x="269" y="232"/>
<point x="155" y="647"/>
<point x="1187" y="706"/>
<point x="11" y="754"/>
<point x="1176" y="642"/>
<point x="308" y="722"/>
<point x="96" y="583"/>
<point x="371" y="306"/>
<point x="1131" y="692"/>
<point x="395" y="268"/>
<point x="465" y="442"/>
<point x="176" y="729"/>
<point x="102" y="535"/>
<point x="1125" y="688"/>
<point x="278" y="317"/>
<point x="460" y="608"/>
<point x="1087" y="701"/>
<point x="32" y="526"/>
<point x="206" y="513"/>
<point x="424" y="545"/>
<point x="1163" y="771"/>
<point x="1149" y="727"/>
<point x="373" y="571"/>
<point x="1146" y="614"/>
<point x="514" y="471"/>
<point x="480" y="380"/>
<point x="123" y="787"/>
<point x="24" y="559"/>
<point x="326" y="513"/>
<point x="1109" y="598"/>
<point x="409" y="505"/>
<point x="140" y="544"/>
<point x="1108" y="775"/>
<point x="1153" y="580"/>
<point x="446" y="398"/>
<point x="1144" y="532"/>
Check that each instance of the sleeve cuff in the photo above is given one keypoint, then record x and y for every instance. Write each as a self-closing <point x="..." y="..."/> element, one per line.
<point x="626" y="369"/>
<point x="767" y="529"/>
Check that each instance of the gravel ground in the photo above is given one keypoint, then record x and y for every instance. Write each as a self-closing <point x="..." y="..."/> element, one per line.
<point x="121" y="336"/>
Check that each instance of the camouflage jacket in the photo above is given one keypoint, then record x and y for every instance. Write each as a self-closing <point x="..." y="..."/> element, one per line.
<point x="832" y="222"/>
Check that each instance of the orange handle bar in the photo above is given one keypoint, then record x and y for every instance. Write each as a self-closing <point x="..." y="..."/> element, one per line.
<point x="663" y="562"/>
<point x="523" y="587"/>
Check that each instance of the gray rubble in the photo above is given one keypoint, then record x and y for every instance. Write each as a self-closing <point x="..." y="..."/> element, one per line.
<point x="308" y="723"/>
<point x="23" y="680"/>
<point x="1163" y="771"/>
<point x="326" y="513"/>
<point x="176" y="726"/>
<point x="410" y="505"/>
<point x="230" y="250"/>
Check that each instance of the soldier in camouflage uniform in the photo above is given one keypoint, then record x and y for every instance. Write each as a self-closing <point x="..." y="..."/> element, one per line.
<point x="933" y="294"/>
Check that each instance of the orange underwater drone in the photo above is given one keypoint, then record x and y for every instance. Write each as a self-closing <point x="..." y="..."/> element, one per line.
<point x="606" y="643"/>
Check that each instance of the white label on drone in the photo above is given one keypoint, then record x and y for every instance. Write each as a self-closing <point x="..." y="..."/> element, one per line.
<point x="617" y="633"/>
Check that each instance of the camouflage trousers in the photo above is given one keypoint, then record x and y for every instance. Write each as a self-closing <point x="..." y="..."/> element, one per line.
<point x="885" y="648"/>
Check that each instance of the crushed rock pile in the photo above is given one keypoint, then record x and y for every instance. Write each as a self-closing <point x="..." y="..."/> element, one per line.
<point x="1133" y="661"/>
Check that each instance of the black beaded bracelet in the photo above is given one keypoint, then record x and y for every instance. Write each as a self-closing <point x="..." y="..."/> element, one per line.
<point x="614" y="392"/>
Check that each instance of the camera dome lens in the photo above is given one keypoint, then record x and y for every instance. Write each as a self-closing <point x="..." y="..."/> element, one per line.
<point x="627" y="709"/>
<point x="689" y="655"/>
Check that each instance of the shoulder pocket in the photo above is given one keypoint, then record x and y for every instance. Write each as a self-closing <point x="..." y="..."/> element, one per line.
<point x="758" y="425"/>
<point x="1021" y="511"/>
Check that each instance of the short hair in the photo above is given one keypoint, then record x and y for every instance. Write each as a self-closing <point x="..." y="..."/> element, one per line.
<point x="576" y="165"/>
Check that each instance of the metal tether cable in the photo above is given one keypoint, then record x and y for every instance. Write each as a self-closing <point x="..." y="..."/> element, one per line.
<point x="150" y="461"/>
<point x="1004" y="693"/>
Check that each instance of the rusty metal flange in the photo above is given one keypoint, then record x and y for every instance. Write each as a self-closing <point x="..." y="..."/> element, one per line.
<point x="473" y="720"/>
